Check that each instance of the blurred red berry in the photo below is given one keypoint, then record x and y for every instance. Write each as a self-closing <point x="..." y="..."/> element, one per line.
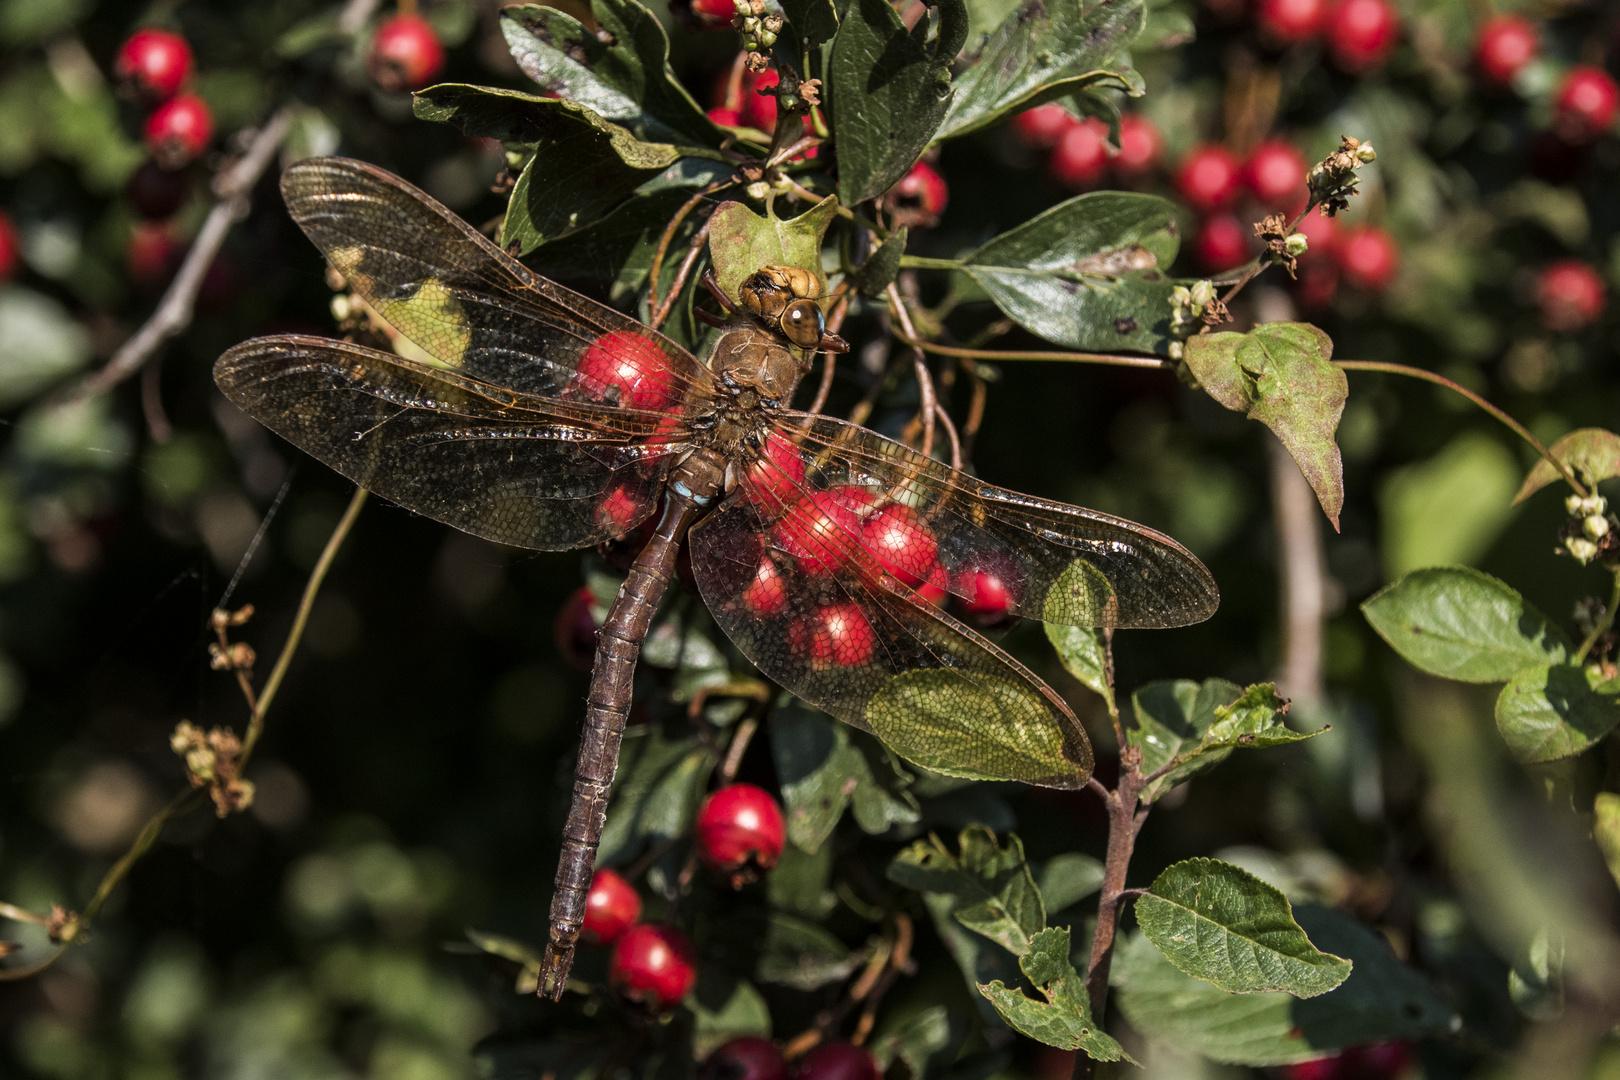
<point x="1504" y="45"/>
<point x="1275" y="172"/>
<point x="1569" y="294"/>
<point x="1317" y="286"/>
<point x="987" y="591"/>
<point x="10" y="247"/>
<point x="1361" y="33"/>
<point x="919" y="198"/>
<point x="653" y="966"/>
<point x="1222" y="242"/>
<point x="575" y="629"/>
<point x="156" y="192"/>
<point x="179" y="130"/>
<point x="1586" y="104"/>
<point x="1208" y="177"/>
<point x="153" y="63"/>
<point x="1321" y="233"/>
<point x="1322" y="1068"/>
<point x="1368" y="257"/>
<point x="746" y="1058"/>
<point x="903" y="544"/>
<point x="1081" y="156"/>
<point x="1042" y="126"/>
<point x="1377" y="1061"/>
<point x="1141" y="145"/>
<point x="711" y="14"/>
<point x="611" y="907"/>
<point x="154" y="253"/>
<point x="1288" y="22"/>
<point x="739" y="832"/>
<point x="836" y="1061"/>
<point x="405" y="54"/>
<point x="725" y="117"/>
<point x="834" y="636"/>
<point x="758" y="110"/>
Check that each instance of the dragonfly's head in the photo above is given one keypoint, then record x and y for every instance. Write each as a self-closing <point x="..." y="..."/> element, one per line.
<point x="782" y="298"/>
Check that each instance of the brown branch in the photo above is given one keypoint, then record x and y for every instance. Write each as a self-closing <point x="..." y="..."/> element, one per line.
<point x="736" y="749"/>
<point x="669" y="234"/>
<point x="829" y="361"/>
<point x="1124" y="823"/>
<point x="233" y="187"/>
<point x="693" y="250"/>
<point x="157" y="421"/>
<point x="919" y="364"/>
<point x="1113" y="359"/>
<point x="1262" y="260"/>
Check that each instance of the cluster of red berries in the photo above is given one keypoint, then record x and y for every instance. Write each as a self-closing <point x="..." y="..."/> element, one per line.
<point x="754" y="1058"/>
<point x="1358" y="34"/>
<point x="1587" y="99"/>
<point x="1377" y="1061"/>
<point x="1080" y="156"/>
<point x="152" y="67"/>
<point x="405" y="53"/>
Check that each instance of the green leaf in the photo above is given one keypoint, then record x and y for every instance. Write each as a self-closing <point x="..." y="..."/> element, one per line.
<point x="1281" y="375"/>
<point x="41" y="342"/>
<point x="621" y="71"/>
<point x="527" y="959"/>
<point x="1224" y="925"/>
<point x="741" y="241"/>
<point x="799" y="882"/>
<point x="821" y="772"/>
<point x="802" y="955"/>
<point x="977" y="959"/>
<point x="1044" y="49"/>
<point x="882" y="266"/>
<point x="1380" y="1000"/>
<point x="1606" y="830"/>
<point x="1448" y="509"/>
<point x="618" y="248"/>
<point x="915" y="1040"/>
<point x="1068" y="878"/>
<point x="1063" y="1017"/>
<point x="815" y="20"/>
<point x="1171" y="719"/>
<point x="1462" y="624"/>
<point x="995" y="893"/>
<point x="1556" y="711"/>
<point x="889" y="92"/>
<point x="1593" y="453"/>
<point x="725" y="1007"/>
<point x="1088" y="273"/>
<point x="660" y="784"/>
<point x="1084" y="652"/>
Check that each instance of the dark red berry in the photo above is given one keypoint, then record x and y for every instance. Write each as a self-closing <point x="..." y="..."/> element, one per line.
<point x="774" y="481"/>
<point x="758" y="110"/>
<point x="821" y="533"/>
<point x="987" y="591"/>
<point x="1275" y="172"/>
<point x="1042" y="126"/>
<point x="156" y="192"/>
<point x="833" y="636"/>
<point x="1318" y="284"/>
<point x="1376" y="1061"/>
<point x="153" y="63"/>
<point x="836" y="1061"/>
<point x="1288" y="22"/>
<point x="1586" y="104"/>
<point x="1321" y="233"/>
<point x="746" y="1058"/>
<point x="611" y="907"/>
<point x="1570" y="295"/>
<point x="1361" y="33"/>
<point x="919" y="198"/>
<point x="405" y="53"/>
<point x="1505" y="44"/>
<point x="575" y="629"/>
<point x="154" y="253"/>
<point x="1322" y="1068"/>
<point x="1222" y="242"/>
<point x="1081" y="156"/>
<point x="1208" y="177"/>
<point x="10" y="248"/>
<point x="1141" y="145"/>
<point x="725" y="117"/>
<point x="179" y="130"/>
<point x="1368" y="257"/>
<point x="653" y="966"/>
<point x="739" y="832"/>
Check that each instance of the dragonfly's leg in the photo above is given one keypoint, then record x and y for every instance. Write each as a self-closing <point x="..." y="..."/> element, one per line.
<point x="712" y="283"/>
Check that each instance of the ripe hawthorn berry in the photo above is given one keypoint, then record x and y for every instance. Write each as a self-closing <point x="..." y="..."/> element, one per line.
<point x="1081" y="156"/>
<point x="611" y="907"/>
<point x="1569" y="294"/>
<point x="1042" y="126"/>
<point x="836" y="1061"/>
<point x="1275" y="172"/>
<point x="765" y="596"/>
<point x="1322" y="1068"/>
<point x="1321" y="233"/>
<point x="653" y="966"/>
<point x="628" y="368"/>
<point x="1361" y="33"/>
<point x="833" y="636"/>
<point x="10" y="248"/>
<point x="739" y="833"/>
<point x="758" y="110"/>
<point x="919" y="197"/>
<point x="154" y="64"/>
<point x="575" y="629"/>
<point x="1289" y="22"/>
<point x="1504" y="45"/>
<point x="748" y="1057"/>
<point x="986" y="591"/>
<point x="774" y="479"/>
<point x="1141" y="146"/>
<point x="156" y="192"/>
<point x="1222" y="242"/>
<point x="179" y="130"/>
<point x="1368" y="257"/>
<point x="1208" y="177"/>
<point x="725" y="117"/>
<point x="1586" y="104"/>
<point x="405" y="53"/>
<point x="820" y="532"/>
<point x="705" y="14"/>
<point x="903" y="543"/>
<point x="154" y="253"/>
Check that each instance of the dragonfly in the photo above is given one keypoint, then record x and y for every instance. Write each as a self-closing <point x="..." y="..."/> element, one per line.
<point x="535" y="417"/>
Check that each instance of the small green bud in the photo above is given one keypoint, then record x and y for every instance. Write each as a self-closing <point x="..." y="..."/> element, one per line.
<point x="1365" y="153"/>
<point x="1581" y="549"/>
<point x="1202" y="294"/>
<point x="1176" y="350"/>
<point x="1296" y="245"/>
<point x="1596" y="527"/>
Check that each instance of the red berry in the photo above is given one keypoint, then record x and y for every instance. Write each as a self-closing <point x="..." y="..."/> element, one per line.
<point x="820" y="533"/>
<point x="739" y="832"/>
<point x="758" y="110"/>
<point x="1321" y="233"/>
<point x="1208" y="177"/>
<point x="836" y="635"/>
<point x="10" y="248"/>
<point x="725" y="117"/>
<point x="624" y="508"/>
<point x="766" y="596"/>
<point x="153" y="63"/>
<point x="653" y="966"/>
<point x="1081" y="155"/>
<point x="987" y="591"/>
<point x="1570" y="295"/>
<point x="1586" y="104"/>
<point x="1141" y="145"/>
<point x="156" y="192"/>
<point x="920" y="196"/>
<point x="405" y="53"/>
<point x="776" y="477"/>
<point x="1275" y="172"/>
<point x="1288" y="22"/>
<point x="611" y="907"/>
<point x="154" y="253"/>
<point x="902" y="543"/>
<point x="1368" y="257"/>
<point x="746" y="1058"/>
<point x="1222" y="242"/>
<point x="179" y="130"/>
<point x="1506" y="43"/>
<point x="575" y="629"/>
<point x="1377" y="1061"/>
<point x="1322" y="1068"/>
<point x="1318" y="285"/>
<point x="1361" y="33"/>
<point x="836" y="1061"/>
<point x="1042" y="126"/>
<point x="712" y="14"/>
<point x="628" y="369"/>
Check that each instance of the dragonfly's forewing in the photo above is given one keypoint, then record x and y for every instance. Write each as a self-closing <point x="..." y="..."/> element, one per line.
<point x="515" y="469"/>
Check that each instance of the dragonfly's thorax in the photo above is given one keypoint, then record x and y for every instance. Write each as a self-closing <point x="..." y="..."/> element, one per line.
<point x="755" y="368"/>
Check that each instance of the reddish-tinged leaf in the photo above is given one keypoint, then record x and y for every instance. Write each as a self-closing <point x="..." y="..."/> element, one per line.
<point x="1592" y="452"/>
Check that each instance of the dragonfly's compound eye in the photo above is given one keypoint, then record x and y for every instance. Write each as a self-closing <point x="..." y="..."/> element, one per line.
<point x="803" y="324"/>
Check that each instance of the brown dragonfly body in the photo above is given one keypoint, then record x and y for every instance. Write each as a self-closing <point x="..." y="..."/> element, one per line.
<point x="533" y="416"/>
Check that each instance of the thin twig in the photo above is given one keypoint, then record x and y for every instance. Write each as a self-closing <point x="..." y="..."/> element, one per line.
<point x="1262" y="260"/>
<point x="1603" y="624"/>
<point x="1113" y="359"/>
<point x="951" y="436"/>
<point x="157" y="421"/>
<point x="829" y="361"/>
<point x="736" y="749"/>
<point x="669" y="234"/>
<point x="693" y="250"/>
<point x="925" y="381"/>
<point x="173" y="314"/>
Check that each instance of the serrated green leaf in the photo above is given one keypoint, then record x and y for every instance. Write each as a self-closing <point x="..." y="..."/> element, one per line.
<point x="802" y="955"/>
<point x="1170" y="718"/>
<point x="994" y="890"/>
<point x="1281" y="375"/>
<point x="741" y="241"/>
<point x="725" y="1007"/>
<point x="1042" y="50"/>
<point x="1224" y="925"/>
<point x="1556" y="711"/>
<point x="1593" y="453"/>
<point x="1381" y="1000"/>
<point x="1063" y="1019"/>
<point x="1088" y="273"/>
<point x="889" y="92"/>
<point x="1084" y="653"/>
<point x="914" y="1040"/>
<point x="882" y="266"/>
<point x="821" y="772"/>
<point x="1068" y="878"/>
<point x="1462" y="624"/>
